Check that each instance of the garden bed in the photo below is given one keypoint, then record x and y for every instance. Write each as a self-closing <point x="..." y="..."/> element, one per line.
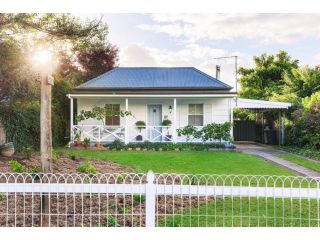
<point x="63" y="164"/>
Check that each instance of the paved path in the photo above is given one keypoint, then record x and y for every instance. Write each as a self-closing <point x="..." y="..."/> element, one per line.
<point x="268" y="153"/>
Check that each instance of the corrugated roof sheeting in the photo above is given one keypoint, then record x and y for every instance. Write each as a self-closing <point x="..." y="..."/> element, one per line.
<point x="155" y="77"/>
<point x="260" y="104"/>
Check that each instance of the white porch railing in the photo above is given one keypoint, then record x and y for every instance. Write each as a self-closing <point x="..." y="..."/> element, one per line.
<point x="102" y="133"/>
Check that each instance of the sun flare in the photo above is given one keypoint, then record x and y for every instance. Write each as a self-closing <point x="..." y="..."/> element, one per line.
<point x="43" y="56"/>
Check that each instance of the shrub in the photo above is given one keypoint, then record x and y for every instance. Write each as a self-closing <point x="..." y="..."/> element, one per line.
<point x="216" y="131"/>
<point x="27" y="151"/>
<point x="188" y="131"/>
<point x="86" y="142"/>
<point x="140" y="125"/>
<point x="17" y="167"/>
<point x="87" y="167"/>
<point x="166" y="122"/>
<point x="117" y="144"/>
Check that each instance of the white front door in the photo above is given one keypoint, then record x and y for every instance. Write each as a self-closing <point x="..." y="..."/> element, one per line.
<point x="155" y="122"/>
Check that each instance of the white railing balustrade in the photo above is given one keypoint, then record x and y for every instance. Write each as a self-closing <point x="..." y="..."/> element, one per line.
<point x="99" y="133"/>
<point x="111" y="200"/>
<point x="102" y="133"/>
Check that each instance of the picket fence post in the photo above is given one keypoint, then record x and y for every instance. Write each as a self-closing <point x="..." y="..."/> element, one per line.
<point x="150" y="200"/>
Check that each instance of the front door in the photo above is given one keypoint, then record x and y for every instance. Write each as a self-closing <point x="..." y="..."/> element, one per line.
<point x="155" y="122"/>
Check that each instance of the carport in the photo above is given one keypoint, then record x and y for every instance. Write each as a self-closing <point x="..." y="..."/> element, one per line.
<point x="262" y="129"/>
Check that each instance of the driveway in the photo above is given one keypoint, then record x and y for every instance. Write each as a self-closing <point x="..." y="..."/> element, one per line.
<point x="269" y="153"/>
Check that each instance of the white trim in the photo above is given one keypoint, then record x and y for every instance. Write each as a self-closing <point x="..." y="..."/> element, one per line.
<point x="154" y="95"/>
<point x="261" y="104"/>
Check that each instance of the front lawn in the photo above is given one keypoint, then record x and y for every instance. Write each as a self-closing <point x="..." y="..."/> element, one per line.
<point x="245" y="212"/>
<point x="185" y="162"/>
<point x="301" y="161"/>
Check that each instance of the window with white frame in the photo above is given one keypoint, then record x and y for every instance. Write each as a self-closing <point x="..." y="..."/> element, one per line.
<point x="114" y="120"/>
<point x="195" y="115"/>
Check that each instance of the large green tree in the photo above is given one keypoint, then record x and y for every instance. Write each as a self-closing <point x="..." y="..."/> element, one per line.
<point x="266" y="78"/>
<point x="75" y="45"/>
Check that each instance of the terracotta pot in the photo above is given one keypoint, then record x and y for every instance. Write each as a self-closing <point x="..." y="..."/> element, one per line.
<point x="77" y="143"/>
<point x="98" y="145"/>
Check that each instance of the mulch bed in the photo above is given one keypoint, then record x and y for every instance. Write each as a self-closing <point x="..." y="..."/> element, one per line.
<point x="64" y="164"/>
<point x="24" y="209"/>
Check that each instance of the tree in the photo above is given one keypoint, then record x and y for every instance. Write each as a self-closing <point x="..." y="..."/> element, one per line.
<point x="266" y="78"/>
<point x="300" y="83"/>
<point x="98" y="61"/>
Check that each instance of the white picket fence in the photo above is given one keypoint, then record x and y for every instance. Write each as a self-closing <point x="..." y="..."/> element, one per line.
<point x="158" y="200"/>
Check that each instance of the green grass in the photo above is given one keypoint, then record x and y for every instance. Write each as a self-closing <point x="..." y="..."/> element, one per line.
<point x="186" y="162"/>
<point x="301" y="161"/>
<point x="246" y="212"/>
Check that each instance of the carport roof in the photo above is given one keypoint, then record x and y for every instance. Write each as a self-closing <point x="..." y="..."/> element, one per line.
<point x="245" y="103"/>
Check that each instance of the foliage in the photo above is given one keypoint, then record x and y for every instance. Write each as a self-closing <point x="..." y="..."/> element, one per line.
<point x="166" y="122"/>
<point x="140" y="125"/>
<point x="187" y="131"/>
<point x="21" y="123"/>
<point x="98" y="61"/>
<point x="17" y="167"/>
<point x="266" y="78"/>
<point x="76" y="44"/>
<point x="100" y="113"/>
<point x="86" y="141"/>
<point x="217" y="131"/>
<point x="87" y="167"/>
<point x="117" y="144"/>
<point x="305" y="130"/>
<point x="139" y="198"/>
<point x="306" y="152"/>
<point x="27" y="151"/>
<point x="157" y="146"/>
<point x="77" y="136"/>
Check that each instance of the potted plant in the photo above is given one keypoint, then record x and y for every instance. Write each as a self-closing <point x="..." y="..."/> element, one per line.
<point x="140" y="125"/>
<point x="86" y="142"/>
<point x="77" y="139"/>
<point x="167" y="123"/>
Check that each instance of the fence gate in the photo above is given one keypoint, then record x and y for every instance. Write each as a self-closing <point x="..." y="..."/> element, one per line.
<point x="112" y="200"/>
<point x="244" y="130"/>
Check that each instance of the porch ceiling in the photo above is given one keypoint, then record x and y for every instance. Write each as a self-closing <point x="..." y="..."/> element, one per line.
<point x="244" y="103"/>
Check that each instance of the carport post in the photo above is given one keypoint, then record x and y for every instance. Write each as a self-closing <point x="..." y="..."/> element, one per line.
<point x="282" y="127"/>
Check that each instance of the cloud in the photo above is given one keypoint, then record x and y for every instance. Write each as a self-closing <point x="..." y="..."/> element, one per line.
<point x="193" y="55"/>
<point x="268" y="28"/>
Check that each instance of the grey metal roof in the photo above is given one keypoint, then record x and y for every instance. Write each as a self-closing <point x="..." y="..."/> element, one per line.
<point x="154" y="77"/>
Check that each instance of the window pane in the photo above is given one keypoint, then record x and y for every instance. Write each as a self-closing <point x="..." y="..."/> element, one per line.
<point x="198" y="121"/>
<point x="192" y="109"/>
<point x="199" y="108"/>
<point x="109" y="121"/>
<point x="116" y="121"/>
<point x="191" y="120"/>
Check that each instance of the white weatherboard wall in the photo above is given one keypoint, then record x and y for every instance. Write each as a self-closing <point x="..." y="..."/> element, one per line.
<point x="215" y="109"/>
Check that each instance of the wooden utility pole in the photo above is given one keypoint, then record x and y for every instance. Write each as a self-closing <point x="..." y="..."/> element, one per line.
<point x="46" y="140"/>
<point x="45" y="124"/>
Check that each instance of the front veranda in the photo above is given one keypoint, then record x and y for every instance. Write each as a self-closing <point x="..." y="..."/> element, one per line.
<point x="152" y="111"/>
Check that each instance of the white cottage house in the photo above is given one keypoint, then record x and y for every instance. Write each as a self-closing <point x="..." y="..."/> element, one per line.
<point x="184" y="95"/>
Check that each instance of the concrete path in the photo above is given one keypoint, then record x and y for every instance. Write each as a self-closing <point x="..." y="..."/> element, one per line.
<point x="268" y="153"/>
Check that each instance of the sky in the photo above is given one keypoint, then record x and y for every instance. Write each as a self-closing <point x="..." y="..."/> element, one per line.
<point x="184" y="40"/>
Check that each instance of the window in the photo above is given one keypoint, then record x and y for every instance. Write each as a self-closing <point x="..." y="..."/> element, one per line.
<point x="195" y="115"/>
<point x="114" y="120"/>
